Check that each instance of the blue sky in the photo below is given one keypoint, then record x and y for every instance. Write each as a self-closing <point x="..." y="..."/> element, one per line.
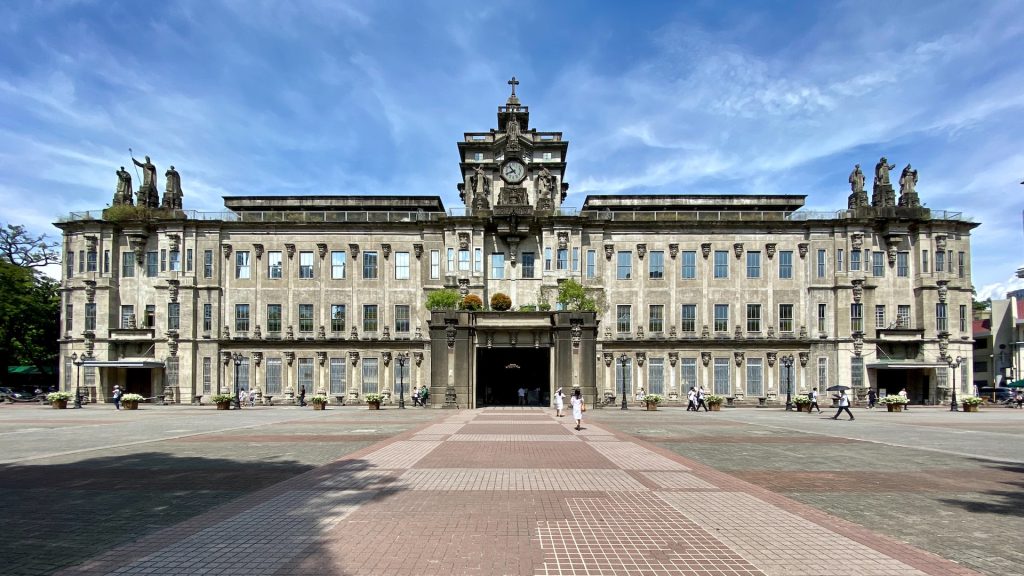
<point x="248" y="97"/>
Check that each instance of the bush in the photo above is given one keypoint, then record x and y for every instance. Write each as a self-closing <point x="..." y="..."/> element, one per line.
<point x="892" y="399"/>
<point x="801" y="399"/>
<point x="653" y="399"/>
<point x="472" y="302"/>
<point x="528" y="308"/>
<point x="544" y="306"/>
<point x="132" y="398"/>
<point x="55" y="396"/>
<point x="218" y="398"/>
<point x="573" y="297"/>
<point x="501" y="302"/>
<point x="971" y="400"/>
<point x="372" y="398"/>
<point x="714" y="399"/>
<point x="447" y="299"/>
<point x="319" y="399"/>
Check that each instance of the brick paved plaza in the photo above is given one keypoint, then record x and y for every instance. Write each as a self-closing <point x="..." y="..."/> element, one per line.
<point x="283" y="490"/>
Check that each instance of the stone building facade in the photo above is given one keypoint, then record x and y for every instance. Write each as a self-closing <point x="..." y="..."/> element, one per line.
<point x="749" y="296"/>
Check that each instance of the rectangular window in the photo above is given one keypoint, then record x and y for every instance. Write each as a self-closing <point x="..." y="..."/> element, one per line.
<point x="69" y="261"/>
<point x="498" y="266"/>
<point x="854" y="260"/>
<point x="547" y="259"/>
<point x="689" y="266"/>
<point x="721" y="317"/>
<point x="624" y="265"/>
<point x="591" y="263"/>
<point x="188" y="260"/>
<point x="961" y="264"/>
<point x="478" y="260"/>
<point x="755" y="377"/>
<point x="562" y="259"/>
<point x="688" y="318"/>
<point x="656" y="318"/>
<point x="401" y="265"/>
<point x="722" y="387"/>
<point x="949" y="262"/>
<point x="721" y="264"/>
<point x="127" y="315"/>
<point x="464" y="260"/>
<point x="370" y="385"/>
<point x="786" y="264"/>
<point x="878" y="264"/>
<point x="478" y="156"/>
<point x="880" y="317"/>
<point x="903" y="316"/>
<point x="963" y="318"/>
<point x="941" y="321"/>
<point x="435" y="264"/>
<point x="275" y="269"/>
<point x="839" y="260"/>
<point x="623" y="376"/>
<point x="785" y="318"/>
<point x="305" y="374"/>
<point x="127" y="264"/>
<point x="753" y="264"/>
<point x="208" y="264"/>
<point x="623" y="319"/>
<point x="369" y="265"/>
<point x="89" y="376"/>
<point x="528" y="260"/>
<point x="241" y="318"/>
<point x="243" y="375"/>
<point x="656" y="265"/>
<point x="655" y="375"/>
<point x="163" y="260"/>
<point x="81" y="261"/>
<point x="857" y="372"/>
<point x="856" y="317"/>
<point x="175" y="260"/>
<point x="306" y="265"/>
<point x="940" y="261"/>
<point x="90" y="261"/>
<point x="822" y="318"/>
<point x="822" y="374"/>
<point x="753" y="317"/>
<point x="902" y="264"/>
<point x="305" y="317"/>
<point x="402" y="319"/>
<point x="106" y="261"/>
<point x="151" y="264"/>
<point x="575" y="259"/>
<point x="337" y="318"/>
<point x="242" y="264"/>
<point x="337" y="376"/>
<point x="173" y="315"/>
<point x="150" y="316"/>
<point x="273" y="376"/>
<point x="821" y="263"/>
<point x="451" y="260"/>
<point x="274" y="318"/>
<point x="369" y="317"/>
<point x="69" y="317"/>
<point x="207" y="374"/>
<point x="924" y="261"/>
<point x="207" y="317"/>
<point x="688" y="373"/>
<point x="90" y="316"/>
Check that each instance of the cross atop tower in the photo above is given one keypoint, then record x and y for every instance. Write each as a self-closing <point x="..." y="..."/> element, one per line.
<point x="513" y="83"/>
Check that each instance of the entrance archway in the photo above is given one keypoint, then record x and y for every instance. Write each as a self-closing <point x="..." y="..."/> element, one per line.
<point x="500" y="372"/>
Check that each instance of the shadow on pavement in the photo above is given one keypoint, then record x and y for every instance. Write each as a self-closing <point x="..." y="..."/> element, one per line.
<point x="1006" y="502"/>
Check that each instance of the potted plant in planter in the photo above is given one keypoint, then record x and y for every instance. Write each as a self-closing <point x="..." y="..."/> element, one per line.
<point x="803" y="402"/>
<point x="58" y="400"/>
<point x="500" y="302"/>
<point x="971" y="403"/>
<point x="223" y="401"/>
<point x="319" y="401"/>
<point x="652" y="401"/>
<point x="373" y="401"/>
<point x="893" y="402"/>
<point x="714" y="401"/>
<point x="131" y="401"/>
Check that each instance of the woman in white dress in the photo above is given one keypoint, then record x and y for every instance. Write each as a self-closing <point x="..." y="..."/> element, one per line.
<point x="577" y="407"/>
<point x="559" y="402"/>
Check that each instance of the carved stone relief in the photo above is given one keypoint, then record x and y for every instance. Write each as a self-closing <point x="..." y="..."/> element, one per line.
<point x="227" y="250"/>
<point x="804" y="357"/>
<point x="673" y="358"/>
<point x="772" y="357"/>
<point x="641" y="250"/>
<point x="705" y="358"/>
<point x="608" y="250"/>
<point x="290" y="249"/>
<point x="641" y="357"/>
<point x="738" y="357"/>
<point x="321" y="249"/>
<point x="563" y="240"/>
<point x="769" y="249"/>
<point x="802" y="248"/>
<point x="705" y="249"/>
<point x="673" y="251"/>
<point x="417" y="249"/>
<point x="386" y="250"/>
<point x="463" y="240"/>
<point x="258" y="250"/>
<point x="737" y="248"/>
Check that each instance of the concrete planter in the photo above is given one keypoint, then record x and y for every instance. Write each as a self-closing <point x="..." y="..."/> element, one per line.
<point x="130" y="404"/>
<point x="715" y="407"/>
<point x="970" y="407"/>
<point x="317" y="406"/>
<point x="894" y="407"/>
<point x="373" y="405"/>
<point x="59" y="404"/>
<point x="651" y="406"/>
<point x="225" y="405"/>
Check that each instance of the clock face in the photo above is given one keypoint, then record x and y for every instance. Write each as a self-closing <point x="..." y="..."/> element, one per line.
<point x="513" y="171"/>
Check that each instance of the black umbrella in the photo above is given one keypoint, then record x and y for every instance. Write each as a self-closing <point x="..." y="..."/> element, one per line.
<point x="836" y="388"/>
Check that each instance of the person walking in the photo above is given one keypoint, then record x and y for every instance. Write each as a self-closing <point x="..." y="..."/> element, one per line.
<point x="416" y="396"/>
<point x="844" y="404"/>
<point x="872" y="398"/>
<point x="559" y="402"/>
<point x="578" y="407"/>
<point x="117" y="397"/>
<point x="906" y="403"/>
<point x="700" y="401"/>
<point x="302" y="396"/>
<point x="813" y="395"/>
<point x="1019" y="399"/>
<point x="424" y="395"/>
<point x="522" y="396"/>
<point x="691" y="400"/>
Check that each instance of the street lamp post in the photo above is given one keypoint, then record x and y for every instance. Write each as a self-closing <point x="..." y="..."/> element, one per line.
<point x="78" y="377"/>
<point x="787" y="363"/>
<point x="954" y="364"/>
<point x="401" y="358"/>
<point x="237" y="358"/>
<point x="623" y="360"/>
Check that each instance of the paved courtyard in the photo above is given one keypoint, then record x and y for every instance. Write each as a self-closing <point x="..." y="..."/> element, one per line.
<point x="188" y="490"/>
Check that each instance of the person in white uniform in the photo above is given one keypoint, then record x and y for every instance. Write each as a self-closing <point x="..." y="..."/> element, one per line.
<point x="577" y="407"/>
<point x="559" y="402"/>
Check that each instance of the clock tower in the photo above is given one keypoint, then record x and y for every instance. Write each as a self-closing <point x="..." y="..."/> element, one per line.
<point x="513" y="169"/>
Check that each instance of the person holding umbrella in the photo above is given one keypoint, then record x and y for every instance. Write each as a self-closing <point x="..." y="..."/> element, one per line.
<point x="844" y="402"/>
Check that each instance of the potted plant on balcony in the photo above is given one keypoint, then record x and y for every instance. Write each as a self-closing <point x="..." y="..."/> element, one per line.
<point x="893" y="402"/>
<point x="223" y="401"/>
<point x="131" y="401"/>
<point x="652" y="401"/>
<point x="714" y="401"/>
<point x="803" y="402"/>
<point x="971" y="403"/>
<point x="500" y="302"/>
<point x="319" y="401"/>
<point x="58" y="400"/>
<point x="373" y="401"/>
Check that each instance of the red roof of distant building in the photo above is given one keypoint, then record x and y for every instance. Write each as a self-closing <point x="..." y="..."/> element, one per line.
<point x="1020" y="310"/>
<point x="981" y="328"/>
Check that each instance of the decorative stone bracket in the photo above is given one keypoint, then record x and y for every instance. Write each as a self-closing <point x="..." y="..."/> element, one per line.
<point x="772" y="357"/>
<point x="769" y="249"/>
<point x="463" y="240"/>
<point x="858" y="343"/>
<point x="450" y="332"/>
<point x="289" y="357"/>
<point x="417" y="249"/>
<point x="563" y="240"/>
<point x="386" y="356"/>
<point x="353" y="357"/>
<point x="257" y="358"/>
<point x="940" y="242"/>
<point x="608" y="358"/>
<point x="857" y="240"/>
<point x="641" y="357"/>
<point x="321" y="249"/>
<point x="226" y="248"/>
<point x="737" y="248"/>
<point x="673" y="358"/>
<point x="802" y="249"/>
<point x="290" y="249"/>
<point x="738" y="358"/>
<point x="386" y="250"/>
<point x="641" y="250"/>
<point x="225" y="357"/>
<point x="705" y="249"/>
<point x="609" y="249"/>
<point x="943" y="289"/>
<point x="172" y="290"/>
<point x="673" y="251"/>
<point x="804" y="357"/>
<point x="705" y="358"/>
<point x="90" y="290"/>
<point x="258" y="249"/>
<point x="354" y="250"/>
<point x="417" y="357"/>
<point x="858" y="290"/>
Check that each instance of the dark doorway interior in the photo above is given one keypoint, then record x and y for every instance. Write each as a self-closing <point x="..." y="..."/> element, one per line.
<point x="500" y="372"/>
<point x="139" y="381"/>
<point x="916" y="382"/>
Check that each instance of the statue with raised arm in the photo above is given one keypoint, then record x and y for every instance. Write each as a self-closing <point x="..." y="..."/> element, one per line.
<point x="147" y="191"/>
<point x="882" y="172"/>
<point x="172" y="192"/>
<point x="123" y="195"/>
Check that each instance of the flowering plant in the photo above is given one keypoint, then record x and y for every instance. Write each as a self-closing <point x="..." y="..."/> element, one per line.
<point x="218" y="398"/>
<point x="372" y="398"/>
<point x="801" y="399"/>
<point x="893" y="399"/>
<point x="55" y="396"/>
<point x="653" y="398"/>
<point x="132" y="398"/>
<point x="318" y="399"/>
<point x="971" y="400"/>
<point x="714" y="399"/>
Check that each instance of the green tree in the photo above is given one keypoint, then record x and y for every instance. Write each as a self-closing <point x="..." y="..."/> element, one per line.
<point x="447" y="299"/>
<point x="29" y="301"/>
<point x="573" y="297"/>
